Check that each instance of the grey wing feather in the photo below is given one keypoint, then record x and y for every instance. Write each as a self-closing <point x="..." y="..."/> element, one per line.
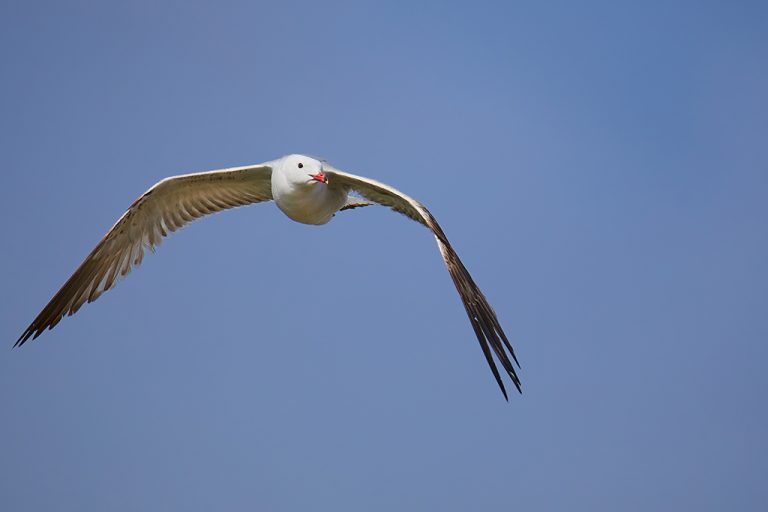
<point x="164" y="208"/>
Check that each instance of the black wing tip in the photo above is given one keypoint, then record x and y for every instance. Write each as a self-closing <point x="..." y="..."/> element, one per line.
<point x="489" y="342"/>
<point x="490" y="335"/>
<point x="517" y="383"/>
<point x="32" y="332"/>
<point x="508" y="344"/>
<point x="22" y="339"/>
<point x="515" y="380"/>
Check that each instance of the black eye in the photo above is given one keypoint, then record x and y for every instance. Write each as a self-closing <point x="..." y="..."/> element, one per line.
<point x="301" y="165"/>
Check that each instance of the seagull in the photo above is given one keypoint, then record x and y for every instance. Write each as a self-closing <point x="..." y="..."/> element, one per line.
<point x="305" y="189"/>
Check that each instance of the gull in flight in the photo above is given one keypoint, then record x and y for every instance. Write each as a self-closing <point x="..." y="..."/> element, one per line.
<point x="307" y="190"/>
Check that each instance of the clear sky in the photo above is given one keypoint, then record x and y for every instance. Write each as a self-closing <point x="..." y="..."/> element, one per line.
<point x="601" y="167"/>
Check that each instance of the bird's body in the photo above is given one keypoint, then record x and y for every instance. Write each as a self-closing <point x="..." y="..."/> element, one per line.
<point x="305" y="189"/>
<point x="297" y="195"/>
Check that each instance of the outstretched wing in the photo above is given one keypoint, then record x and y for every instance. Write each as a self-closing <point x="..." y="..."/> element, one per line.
<point x="164" y="208"/>
<point x="484" y="322"/>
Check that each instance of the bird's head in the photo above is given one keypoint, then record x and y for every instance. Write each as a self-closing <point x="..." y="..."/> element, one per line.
<point x="304" y="169"/>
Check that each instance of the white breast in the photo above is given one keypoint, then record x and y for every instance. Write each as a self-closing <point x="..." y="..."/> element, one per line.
<point x="308" y="203"/>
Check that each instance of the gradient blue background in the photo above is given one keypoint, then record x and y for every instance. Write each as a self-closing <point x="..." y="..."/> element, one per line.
<point x="601" y="167"/>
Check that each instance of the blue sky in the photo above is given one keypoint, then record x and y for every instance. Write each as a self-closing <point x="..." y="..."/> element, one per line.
<point x="601" y="168"/>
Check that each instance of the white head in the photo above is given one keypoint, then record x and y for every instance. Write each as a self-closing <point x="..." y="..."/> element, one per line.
<point x="303" y="169"/>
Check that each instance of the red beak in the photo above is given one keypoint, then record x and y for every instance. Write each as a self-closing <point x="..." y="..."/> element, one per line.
<point x="321" y="177"/>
